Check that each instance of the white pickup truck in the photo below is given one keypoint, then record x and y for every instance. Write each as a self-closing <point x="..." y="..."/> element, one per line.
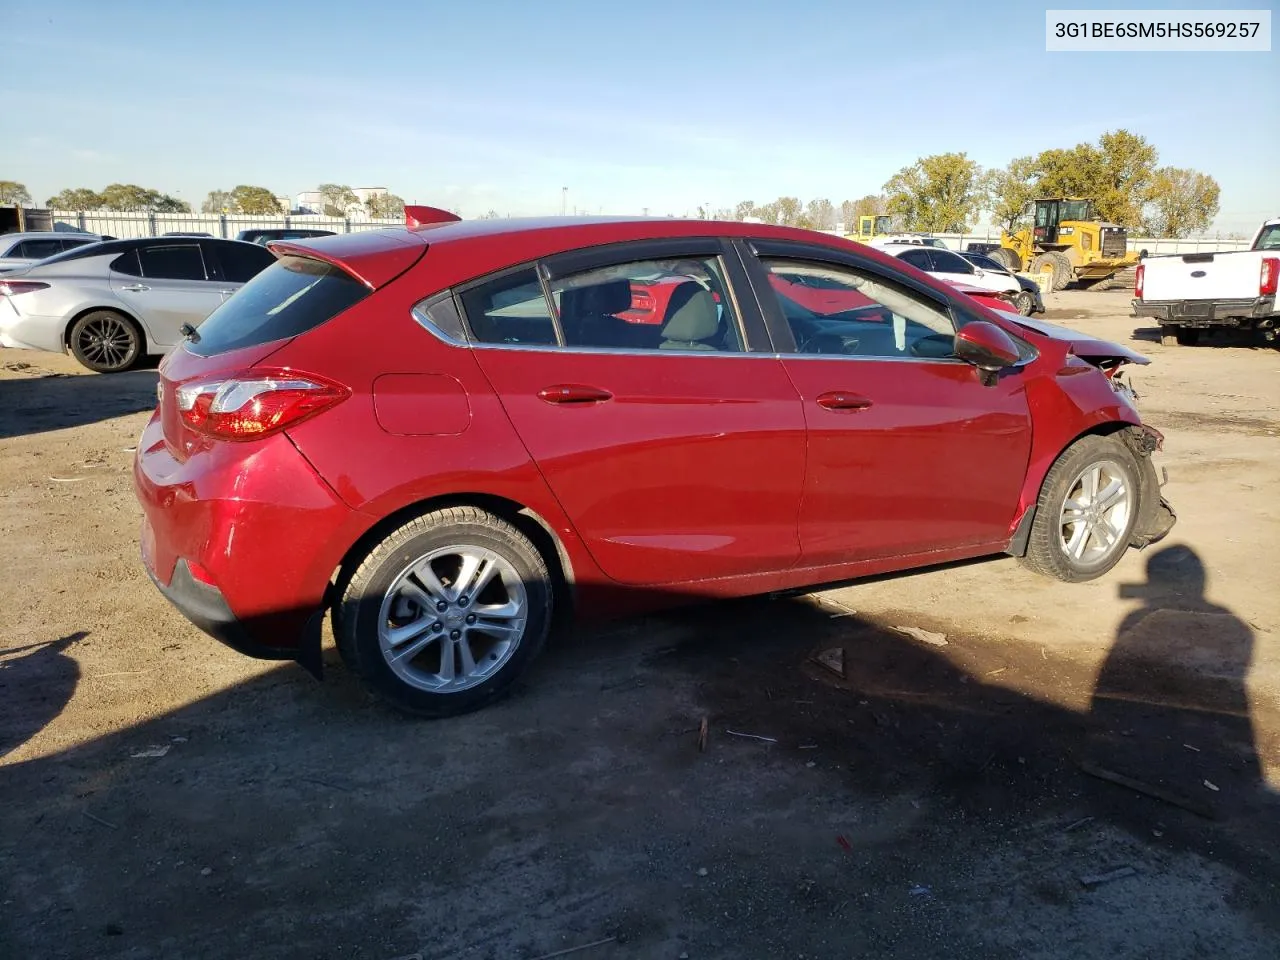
<point x="1190" y="292"/>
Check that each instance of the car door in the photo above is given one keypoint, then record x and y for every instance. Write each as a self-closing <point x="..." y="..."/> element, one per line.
<point x="166" y="285"/>
<point x="908" y="451"/>
<point x="233" y="264"/>
<point x="675" y="447"/>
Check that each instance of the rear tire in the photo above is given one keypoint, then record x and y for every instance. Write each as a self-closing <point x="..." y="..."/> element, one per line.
<point x="1007" y="258"/>
<point x="417" y="631"/>
<point x="106" y="341"/>
<point x="1088" y="505"/>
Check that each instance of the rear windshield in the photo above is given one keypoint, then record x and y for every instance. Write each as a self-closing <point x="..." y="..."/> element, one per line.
<point x="292" y="296"/>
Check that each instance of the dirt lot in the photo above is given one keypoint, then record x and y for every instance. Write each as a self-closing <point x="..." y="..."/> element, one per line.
<point x="164" y="797"/>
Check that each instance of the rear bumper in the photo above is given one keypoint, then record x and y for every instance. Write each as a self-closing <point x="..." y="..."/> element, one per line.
<point x="1205" y="313"/>
<point x="263" y="527"/>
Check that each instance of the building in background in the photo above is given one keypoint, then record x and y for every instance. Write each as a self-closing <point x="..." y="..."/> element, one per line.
<point x="311" y="201"/>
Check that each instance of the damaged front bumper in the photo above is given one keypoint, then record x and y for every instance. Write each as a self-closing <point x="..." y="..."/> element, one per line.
<point x="1156" y="515"/>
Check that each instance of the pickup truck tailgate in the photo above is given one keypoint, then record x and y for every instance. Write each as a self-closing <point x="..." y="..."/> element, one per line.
<point x="1202" y="276"/>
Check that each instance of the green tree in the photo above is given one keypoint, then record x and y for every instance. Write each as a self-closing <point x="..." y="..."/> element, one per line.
<point x="937" y="194"/>
<point x="491" y="215"/>
<point x="76" y="199"/>
<point x="1010" y="190"/>
<point x="336" y="199"/>
<point x="744" y="209"/>
<point x="1180" y="203"/>
<point x="255" y="201"/>
<point x="14" y="193"/>
<point x="1116" y="173"/>
<point x="218" y="201"/>
<point x="131" y="198"/>
<point x="385" y="205"/>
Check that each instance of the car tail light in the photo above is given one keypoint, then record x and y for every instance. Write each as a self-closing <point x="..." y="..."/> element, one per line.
<point x="1268" y="277"/>
<point x="11" y="288"/>
<point x="1139" y="276"/>
<point x="256" y="403"/>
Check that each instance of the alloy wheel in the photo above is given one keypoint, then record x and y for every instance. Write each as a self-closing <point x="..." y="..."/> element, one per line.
<point x="452" y="618"/>
<point x="1095" y="513"/>
<point x="107" y="341"/>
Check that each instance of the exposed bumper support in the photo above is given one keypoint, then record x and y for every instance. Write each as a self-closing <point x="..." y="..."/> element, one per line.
<point x="1205" y="313"/>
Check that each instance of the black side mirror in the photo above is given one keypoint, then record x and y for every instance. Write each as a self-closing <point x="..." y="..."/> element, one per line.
<point x="987" y="347"/>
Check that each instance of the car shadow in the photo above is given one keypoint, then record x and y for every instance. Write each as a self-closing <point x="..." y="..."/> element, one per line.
<point x="1218" y="337"/>
<point x="37" y="681"/>
<point x="744" y="779"/>
<point x="37" y="401"/>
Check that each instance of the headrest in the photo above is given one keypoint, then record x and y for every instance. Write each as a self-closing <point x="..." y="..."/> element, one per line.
<point x="692" y="315"/>
<point x="609" y="297"/>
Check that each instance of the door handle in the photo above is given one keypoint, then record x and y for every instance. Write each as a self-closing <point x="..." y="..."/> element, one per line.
<point x="842" y="400"/>
<point x="573" y="393"/>
<point x="136" y="287"/>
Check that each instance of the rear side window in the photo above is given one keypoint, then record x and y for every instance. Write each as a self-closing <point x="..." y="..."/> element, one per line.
<point x="241" y="263"/>
<point x="181" y="261"/>
<point x="37" y="249"/>
<point x="510" y="310"/>
<point x="294" y="295"/>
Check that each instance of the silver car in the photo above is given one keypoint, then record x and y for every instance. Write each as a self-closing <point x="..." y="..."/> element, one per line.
<point x="19" y="250"/>
<point x="112" y="303"/>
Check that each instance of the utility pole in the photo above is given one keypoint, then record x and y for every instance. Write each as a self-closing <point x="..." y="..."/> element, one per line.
<point x="646" y="211"/>
<point x="564" y="200"/>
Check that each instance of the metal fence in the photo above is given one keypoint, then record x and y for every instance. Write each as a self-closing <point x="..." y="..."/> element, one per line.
<point x="122" y="225"/>
<point x="125" y="225"/>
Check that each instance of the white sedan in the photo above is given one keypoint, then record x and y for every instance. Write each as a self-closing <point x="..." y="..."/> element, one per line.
<point x="952" y="268"/>
<point x="23" y="249"/>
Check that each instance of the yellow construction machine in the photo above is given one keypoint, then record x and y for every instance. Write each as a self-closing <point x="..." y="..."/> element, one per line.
<point x="1068" y="241"/>
<point x="871" y="227"/>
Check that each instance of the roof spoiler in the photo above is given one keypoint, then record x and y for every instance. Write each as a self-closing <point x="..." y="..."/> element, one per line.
<point x="415" y="217"/>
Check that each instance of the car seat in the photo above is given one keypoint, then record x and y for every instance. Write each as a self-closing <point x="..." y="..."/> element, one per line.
<point x="693" y="318"/>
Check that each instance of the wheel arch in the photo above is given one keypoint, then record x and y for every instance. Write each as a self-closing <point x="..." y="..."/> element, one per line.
<point x="528" y="521"/>
<point x="85" y="311"/>
<point x="1035" y="484"/>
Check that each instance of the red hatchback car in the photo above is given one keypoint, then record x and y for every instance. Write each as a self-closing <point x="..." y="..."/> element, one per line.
<point x="444" y="434"/>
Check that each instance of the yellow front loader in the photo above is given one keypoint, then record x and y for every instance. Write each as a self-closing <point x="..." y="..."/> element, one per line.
<point x="871" y="227"/>
<point x="1068" y="241"/>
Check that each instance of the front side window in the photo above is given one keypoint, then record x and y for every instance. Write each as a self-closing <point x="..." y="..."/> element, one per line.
<point x="946" y="262"/>
<point x="242" y="262"/>
<point x="919" y="259"/>
<point x="180" y="261"/>
<point x="676" y="304"/>
<point x="875" y="317"/>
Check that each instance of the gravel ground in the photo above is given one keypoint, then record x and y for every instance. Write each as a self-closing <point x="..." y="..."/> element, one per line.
<point x="165" y="797"/>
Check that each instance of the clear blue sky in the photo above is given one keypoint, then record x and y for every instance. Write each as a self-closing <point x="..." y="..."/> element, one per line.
<point x="666" y="105"/>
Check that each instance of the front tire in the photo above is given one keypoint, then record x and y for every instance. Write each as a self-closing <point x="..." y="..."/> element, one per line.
<point x="1088" y="505"/>
<point x="1025" y="303"/>
<point x="105" y="341"/>
<point x="444" y="614"/>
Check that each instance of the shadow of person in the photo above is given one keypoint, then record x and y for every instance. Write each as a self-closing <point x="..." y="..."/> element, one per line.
<point x="1170" y="708"/>
<point x="36" y="683"/>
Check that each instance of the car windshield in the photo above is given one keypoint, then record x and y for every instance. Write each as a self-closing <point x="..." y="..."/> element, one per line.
<point x="1269" y="239"/>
